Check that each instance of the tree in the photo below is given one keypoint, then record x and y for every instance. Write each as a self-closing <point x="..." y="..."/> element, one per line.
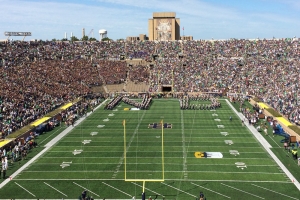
<point x="85" y="38"/>
<point x="64" y="39"/>
<point x="53" y="40"/>
<point x="106" y="39"/>
<point x="92" y="39"/>
<point x="74" y="38"/>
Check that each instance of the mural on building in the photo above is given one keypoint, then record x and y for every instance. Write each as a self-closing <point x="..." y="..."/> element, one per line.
<point x="164" y="30"/>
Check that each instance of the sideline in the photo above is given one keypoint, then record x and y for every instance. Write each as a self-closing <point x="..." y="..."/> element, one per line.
<point x="267" y="146"/>
<point x="48" y="146"/>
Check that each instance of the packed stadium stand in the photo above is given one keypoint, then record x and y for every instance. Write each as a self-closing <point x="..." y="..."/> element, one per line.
<point x="37" y="77"/>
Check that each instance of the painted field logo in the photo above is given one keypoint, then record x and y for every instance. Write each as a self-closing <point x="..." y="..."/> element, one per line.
<point x="229" y="142"/>
<point x="115" y="110"/>
<point x="220" y="126"/>
<point x="214" y="115"/>
<point x="86" y="141"/>
<point x="65" y="164"/>
<point x="94" y="133"/>
<point x="224" y="133"/>
<point x="75" y="152"/>
<point x="199" y="154"/>
<point x="213" y="110"/>
<point x="240" y="165"/>
<point x="111" y="114"/>
<point x="106" y="120"/>
<point x="217" y="120"/>
<point x="234" y="152"/>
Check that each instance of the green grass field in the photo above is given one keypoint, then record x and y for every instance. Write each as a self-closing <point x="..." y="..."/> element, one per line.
<point x="99" y="165"/>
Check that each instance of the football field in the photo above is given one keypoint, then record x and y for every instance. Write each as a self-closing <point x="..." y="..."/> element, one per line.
<point x="116" y="159"/>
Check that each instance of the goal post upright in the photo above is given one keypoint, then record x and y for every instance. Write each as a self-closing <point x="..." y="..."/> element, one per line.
<point x="124" y="126"/>
<point x="125" y="161"/>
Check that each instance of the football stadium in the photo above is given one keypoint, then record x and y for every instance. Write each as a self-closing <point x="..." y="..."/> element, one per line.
<point x="162" y="118"/>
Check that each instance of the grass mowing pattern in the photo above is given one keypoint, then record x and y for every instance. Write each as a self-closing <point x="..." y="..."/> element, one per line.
<point x="100" y="166"/>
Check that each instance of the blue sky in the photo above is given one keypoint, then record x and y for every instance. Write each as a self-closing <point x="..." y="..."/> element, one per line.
<point x="203" y="19"/>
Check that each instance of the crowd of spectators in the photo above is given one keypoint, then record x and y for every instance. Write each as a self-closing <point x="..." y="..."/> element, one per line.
<point x="37" y="77"/>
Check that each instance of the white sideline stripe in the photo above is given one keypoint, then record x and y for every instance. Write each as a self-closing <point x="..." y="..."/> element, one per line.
<point x="212" y="191"/>
<point x="116" y="189"/>
<point x="48" y="146"/>
<point x="274" y="191"/>
<point x="194" y="180"/>
<point x="267" y="147"/>
<point x="178" y="189"/>
<point x="147" y="189"/>
<point x="242" y="191"/>
<point x="55" y="189"/>
<point x="24" y="189"/>
<point x="86" y="189"/>
<point x="51" y="134"/>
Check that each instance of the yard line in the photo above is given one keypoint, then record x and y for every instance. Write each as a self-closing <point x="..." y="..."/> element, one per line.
<point x="147" y="189"/>
<point x="215" y="172"/>
<point x="191" y="180"/>
<point x="55" y="189"/>
<point x="242" y="191"/>
<point x="274" y="191"/>
<point x="179" y="189"/>
<point x="211" y="190"/>
<point x="87" y="157"/>
<point x="24" y="189"/>
<point x="179" y="146"/>
<point x="153" y="164"/>
<point x="86" y="189"/>
<point x="117" y="189"/>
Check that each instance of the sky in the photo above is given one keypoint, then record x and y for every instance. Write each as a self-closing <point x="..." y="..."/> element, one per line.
<point x="202" y="19"/>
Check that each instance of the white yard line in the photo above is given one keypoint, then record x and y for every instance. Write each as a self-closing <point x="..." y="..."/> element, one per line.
<point x="47" y="147"/>
<point x="147" y="189"/>
<point x="55" y="189"/>
<point x="67" y="157"/>
<point x="117" y="189"/>
<point x="179" y="190"/>
<point x="211" y="190"/>
<point x="86" y="189"/>
<point x="274" y="191"/>
<point x="196" y="171"/>
<point x="77" y="163"/>
<point x="24" y="189"/>
<point x="191" y="180"/>
<point x="267" y="147"/>
<point x="242" y="191"/>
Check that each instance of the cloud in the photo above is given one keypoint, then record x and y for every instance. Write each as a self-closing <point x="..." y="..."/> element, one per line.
<point x="121" y="18"/>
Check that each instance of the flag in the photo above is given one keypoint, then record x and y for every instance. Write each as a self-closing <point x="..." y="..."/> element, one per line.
<point x="124" y="122"/>
<point x="183" y="28"/>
